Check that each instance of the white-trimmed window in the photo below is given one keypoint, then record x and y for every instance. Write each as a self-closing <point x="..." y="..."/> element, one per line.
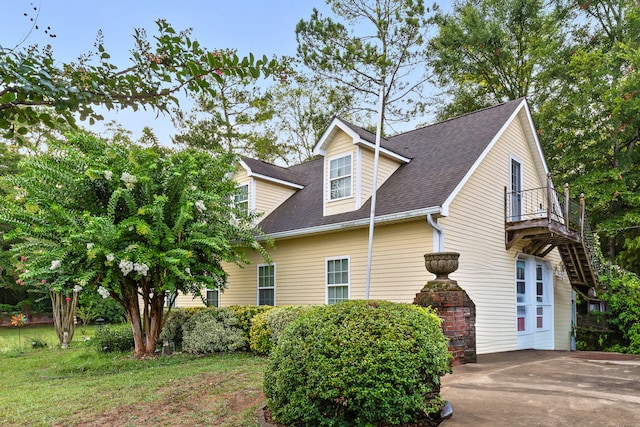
<point x="242" y="198"/>
<point x="267" y="284"/>
<point x="213" y="298"/>
<point x="337" y="279"/>
<point x="340" y="177"/>
<point x="170" y="299"/>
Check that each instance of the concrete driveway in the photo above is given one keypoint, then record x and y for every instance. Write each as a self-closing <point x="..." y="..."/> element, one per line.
<point x="545" y="388"/>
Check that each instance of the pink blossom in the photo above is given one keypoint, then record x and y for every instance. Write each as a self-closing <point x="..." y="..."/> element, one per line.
<point x="67" y="299"/>
<point x="44" y="281"/>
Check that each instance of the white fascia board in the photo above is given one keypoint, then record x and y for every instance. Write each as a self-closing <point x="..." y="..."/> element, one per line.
<point x="480" y="159"/>
<point x="250" y="173"/>
<point x="359" y="223"/>
<point x="277" y="181"/>
<point x="536" y="141"/>
<point x="245" y="167"/>
<point x="384" y="151"/>
<point x="253" y="197"/>
<point x="320" y="148"/>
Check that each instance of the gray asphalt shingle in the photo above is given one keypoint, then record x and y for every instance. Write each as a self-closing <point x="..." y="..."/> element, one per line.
<point x="441" y="155"/>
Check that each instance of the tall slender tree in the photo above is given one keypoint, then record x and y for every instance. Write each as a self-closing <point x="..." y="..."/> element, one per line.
<point x="231" y="118"/>
<point x="302" y="109"/>
<point x="367" y="43"/>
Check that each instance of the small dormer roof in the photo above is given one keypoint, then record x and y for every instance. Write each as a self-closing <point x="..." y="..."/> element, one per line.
<point x="361" y="137"/>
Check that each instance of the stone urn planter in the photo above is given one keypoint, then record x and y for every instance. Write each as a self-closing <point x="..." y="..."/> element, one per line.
<point x="441" y="264"/>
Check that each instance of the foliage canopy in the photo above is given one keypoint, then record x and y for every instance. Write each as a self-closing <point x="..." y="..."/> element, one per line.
<point x="132" y="222"/>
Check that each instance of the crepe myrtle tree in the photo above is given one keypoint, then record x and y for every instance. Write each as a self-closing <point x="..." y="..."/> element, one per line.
<point x="136" y="224"/>
<point x="38" y="90"/>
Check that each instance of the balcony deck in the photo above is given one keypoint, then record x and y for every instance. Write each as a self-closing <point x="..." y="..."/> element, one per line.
<point x="545" y="220"/>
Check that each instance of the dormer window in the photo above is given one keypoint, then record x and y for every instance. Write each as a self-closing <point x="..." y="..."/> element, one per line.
<point x="242" y="198"/>
<point x="340" y="177"/>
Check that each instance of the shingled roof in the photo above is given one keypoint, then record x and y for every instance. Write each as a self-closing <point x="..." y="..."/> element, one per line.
<point x="258" y="167"/>
<point x="441" y="156"/>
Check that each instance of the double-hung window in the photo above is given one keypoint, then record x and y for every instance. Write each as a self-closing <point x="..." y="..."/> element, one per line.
<point x="267" y="284"/>
<point x="337" y="280"/>
<point x="340" y="177"/>
<point x="170" y="299"/>
<point x="242" y="198"/>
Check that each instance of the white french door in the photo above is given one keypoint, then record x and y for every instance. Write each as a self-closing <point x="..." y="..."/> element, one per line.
<point x="534" y="304"/>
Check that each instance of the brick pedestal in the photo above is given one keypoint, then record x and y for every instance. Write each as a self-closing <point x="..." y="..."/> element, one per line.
<point x="458" y="314"/>
<point x="452" y="305"/>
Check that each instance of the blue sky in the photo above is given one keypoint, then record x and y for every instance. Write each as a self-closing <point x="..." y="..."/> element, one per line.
<point x="257" y="26"/>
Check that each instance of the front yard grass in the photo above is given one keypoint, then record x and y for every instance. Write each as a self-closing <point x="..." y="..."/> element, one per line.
<point x="79" y="386"/>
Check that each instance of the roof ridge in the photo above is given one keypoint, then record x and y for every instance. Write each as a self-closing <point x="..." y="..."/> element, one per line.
<point x="459" y="116"/>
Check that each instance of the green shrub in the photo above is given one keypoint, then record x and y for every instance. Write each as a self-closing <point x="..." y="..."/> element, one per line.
<point x="622" y="295"/>
<point x="25" y="305"/>
<point x="267" y="327"/>
<point x="172" y="329"/>
<point x="114" y="338"/>
<point x="358" y="363"/>
<point x="245" y="315"/>
<point x="8" y="308"/>
<point x="212" y="330"/>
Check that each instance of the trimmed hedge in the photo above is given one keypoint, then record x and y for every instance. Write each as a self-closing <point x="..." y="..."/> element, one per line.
<point x="267" y="327"/>
<point x="245" y="315"/>
<point x="211" y="331"/>
<point x="181" y="318"/>
<point x="172" y="330"/>
<point x="358" y="363"/>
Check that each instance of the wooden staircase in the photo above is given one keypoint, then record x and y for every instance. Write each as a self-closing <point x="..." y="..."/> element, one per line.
<point x="545" y="219"/>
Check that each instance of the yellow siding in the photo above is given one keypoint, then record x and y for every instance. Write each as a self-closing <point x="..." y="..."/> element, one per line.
<point x="270" y="195"/>
<point x="386" y="168"/>
<point x="398" y="271"/>
<point x="342" y="145"/>
<point x="241" y="177"/>
<point x="475" y="228"/>
<point x="183" y="300"/>
<point x="562" y="293"/>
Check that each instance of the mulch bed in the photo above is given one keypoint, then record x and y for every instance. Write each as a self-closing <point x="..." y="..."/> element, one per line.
<point x="264" y="417"/>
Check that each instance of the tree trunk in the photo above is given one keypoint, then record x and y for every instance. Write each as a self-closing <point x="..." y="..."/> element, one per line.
<point x="156" y="314"/>
<point x="146" y="326"/>
<point x="129" y="302"/>
<point x="64" y="310"/>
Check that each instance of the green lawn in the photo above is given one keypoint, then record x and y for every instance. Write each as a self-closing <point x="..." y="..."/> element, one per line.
<point x="12" y="338"/>
<point x="79" y="386"/>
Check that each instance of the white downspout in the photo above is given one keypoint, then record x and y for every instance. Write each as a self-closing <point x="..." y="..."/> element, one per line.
<point x="439" y="230"/>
